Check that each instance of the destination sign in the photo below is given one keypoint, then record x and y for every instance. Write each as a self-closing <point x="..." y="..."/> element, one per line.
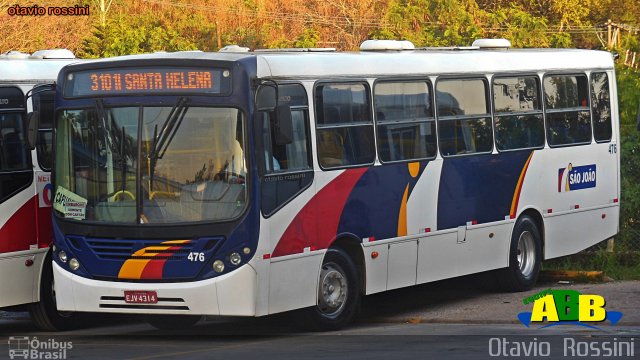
<point x="151" y="80"/>
<point x="11" y="98"/>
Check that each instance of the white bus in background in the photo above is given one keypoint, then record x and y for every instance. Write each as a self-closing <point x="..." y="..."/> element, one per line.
<point x="25" y="188"/>
<point x="253" y="183"/>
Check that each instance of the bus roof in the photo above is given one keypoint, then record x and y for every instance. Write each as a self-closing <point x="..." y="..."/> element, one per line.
<point x="30" y="70"/>
<point x="433" y="61"/>
<point x="310" y="64"/>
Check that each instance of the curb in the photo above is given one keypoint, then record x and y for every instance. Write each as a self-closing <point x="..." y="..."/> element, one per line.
<point x="573" y="276"/>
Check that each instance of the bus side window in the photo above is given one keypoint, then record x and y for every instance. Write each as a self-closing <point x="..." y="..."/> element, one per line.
<point x="463" y="117"/>
<point x="15" y="172"/>
<point x="404" y="119"/>
<point x="14" y="154"/>
<point x="518" y="113"/>
<point x="601" y="107"/>
<point x="344" y="125"/>
<point x="567" y="110"/>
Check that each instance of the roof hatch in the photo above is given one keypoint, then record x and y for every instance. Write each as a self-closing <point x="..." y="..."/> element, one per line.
<point x="492" y="43"/>
<point x="382" y="45"/>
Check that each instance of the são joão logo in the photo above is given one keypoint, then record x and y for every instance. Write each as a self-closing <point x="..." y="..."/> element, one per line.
<point x="567" y="307"/>
<point x="576" y="177"/>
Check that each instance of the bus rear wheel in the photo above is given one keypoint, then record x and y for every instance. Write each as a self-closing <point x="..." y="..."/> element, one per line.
<point x="44" y="313"/>
<point x="525" y="256"/>
<point x="338" y="293"/>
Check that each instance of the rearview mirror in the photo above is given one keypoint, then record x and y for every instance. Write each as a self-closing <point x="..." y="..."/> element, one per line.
<point x="33" y="120"/>
<point x="266" y="97"/>
<point x="283" y="125"/>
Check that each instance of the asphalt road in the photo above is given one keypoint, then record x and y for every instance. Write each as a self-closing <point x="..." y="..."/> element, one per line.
<point x="452" y="319"/>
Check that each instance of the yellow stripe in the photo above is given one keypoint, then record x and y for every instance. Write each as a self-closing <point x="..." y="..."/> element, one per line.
<point x="402" y="217"/>
<point x="414" y="169"/>
<point x="176" y="242"/>
<point x="516" y="193"/>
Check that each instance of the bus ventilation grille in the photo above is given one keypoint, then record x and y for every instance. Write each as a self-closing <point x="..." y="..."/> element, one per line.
<point x="113" y="249"/>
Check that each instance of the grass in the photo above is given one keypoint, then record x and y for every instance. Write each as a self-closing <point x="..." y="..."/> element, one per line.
<point x="616" y="265"/>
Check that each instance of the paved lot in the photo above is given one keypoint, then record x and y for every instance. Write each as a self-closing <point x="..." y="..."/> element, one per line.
<point x="452" y="319"/>
<point x="462" y="301"/>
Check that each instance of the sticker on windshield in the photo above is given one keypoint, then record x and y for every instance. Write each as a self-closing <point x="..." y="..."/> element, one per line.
<point x="75" y="210"/>
<point x="71" y="205"/>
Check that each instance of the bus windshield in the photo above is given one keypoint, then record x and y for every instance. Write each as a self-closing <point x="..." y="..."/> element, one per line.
<point x="150" y="165"/>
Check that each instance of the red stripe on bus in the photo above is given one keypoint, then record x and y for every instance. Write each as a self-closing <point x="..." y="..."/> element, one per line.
<point x="153" y="269"/>
<point x="326" y="205"/>
<point x="19" y="232"/>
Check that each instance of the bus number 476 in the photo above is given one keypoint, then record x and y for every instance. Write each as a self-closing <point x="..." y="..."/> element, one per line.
<point x="196" y="256"/>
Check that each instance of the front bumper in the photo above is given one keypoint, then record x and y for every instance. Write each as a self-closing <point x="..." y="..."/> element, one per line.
<point x="231" y="294"/>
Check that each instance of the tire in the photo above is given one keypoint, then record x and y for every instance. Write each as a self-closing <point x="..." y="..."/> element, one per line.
<point x="338" y="294"/>
<point x="173" y="322"/>
<point x="525" y="256"/>
<point x="44" y="313"/>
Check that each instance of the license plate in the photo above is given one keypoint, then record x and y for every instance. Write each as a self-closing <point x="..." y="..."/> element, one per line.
<point x="140" y="297"/>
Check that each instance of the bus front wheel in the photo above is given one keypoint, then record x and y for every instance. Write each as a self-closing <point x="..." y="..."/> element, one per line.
<point x="525" y="256"/>
<point x="338" y="293"/>
<point x="45" y="313"/>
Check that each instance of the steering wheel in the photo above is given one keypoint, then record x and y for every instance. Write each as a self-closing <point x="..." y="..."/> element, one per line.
<point x="117" y="196"/>
<point x="233" y="177"/>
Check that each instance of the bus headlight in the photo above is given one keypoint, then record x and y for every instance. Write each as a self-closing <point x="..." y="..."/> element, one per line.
<point x="62" y="256"/>
<point x="74" y="264"/>
<point x="218" y="266"/>
<point x="235" y="259"/>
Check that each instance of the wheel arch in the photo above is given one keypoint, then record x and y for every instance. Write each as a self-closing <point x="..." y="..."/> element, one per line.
<point x="42" y="264"/>
<point x="352" y="246"/>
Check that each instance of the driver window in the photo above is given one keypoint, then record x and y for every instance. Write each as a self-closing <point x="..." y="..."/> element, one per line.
<point x="295" y="155"/>
<point x="278" y="190"/>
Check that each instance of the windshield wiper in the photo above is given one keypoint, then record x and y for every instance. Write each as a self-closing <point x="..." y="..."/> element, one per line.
<point x="123" y="162"/>
<point x="102" y="117"/>
<point x="169" y="129"/>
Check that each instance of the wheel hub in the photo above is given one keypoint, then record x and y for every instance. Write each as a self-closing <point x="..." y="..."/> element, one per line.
<point x="333" y="289"/>
<point x="526" y="253"/>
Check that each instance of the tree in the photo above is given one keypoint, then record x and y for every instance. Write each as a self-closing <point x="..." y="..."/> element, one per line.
<point x="147" y="32"/>
<point x="31" y="33"/>
<point x="433" y="22"/>
<point x="519" y="26"/>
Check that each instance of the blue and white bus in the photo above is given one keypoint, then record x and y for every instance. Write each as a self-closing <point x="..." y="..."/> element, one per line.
<point x="253" y="183"/>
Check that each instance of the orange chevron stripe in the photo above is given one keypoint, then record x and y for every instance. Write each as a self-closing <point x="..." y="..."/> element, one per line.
<point x="516" y="194"/>
<point x="134" y="268"/>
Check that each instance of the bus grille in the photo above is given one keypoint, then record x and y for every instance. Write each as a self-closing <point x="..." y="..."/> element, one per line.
<point x="114" y="249"/>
